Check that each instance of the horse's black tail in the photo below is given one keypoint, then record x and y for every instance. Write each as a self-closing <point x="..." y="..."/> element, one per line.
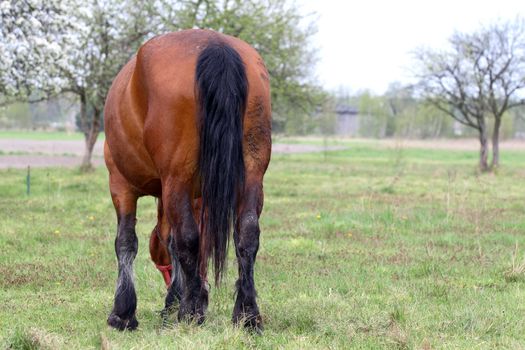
<point x="222" y="89"/>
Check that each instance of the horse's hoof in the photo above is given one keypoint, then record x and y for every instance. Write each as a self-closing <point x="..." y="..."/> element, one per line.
<point x="191" y="317"/>
<point x="165" y="316"/>
<point x="252" y="323"/>
<point x="167" y="311"/>
<point x="194" y="310"/>
<point x="116" y="322"/>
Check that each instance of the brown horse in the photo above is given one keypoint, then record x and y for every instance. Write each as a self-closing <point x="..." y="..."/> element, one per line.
<point x="188" y="120"/>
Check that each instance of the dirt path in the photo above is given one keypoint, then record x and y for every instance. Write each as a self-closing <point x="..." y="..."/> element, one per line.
<point x="450" y="144"/>
<point x="69" y="148"/>
<point x="23" y="153"/>
<point x="42" y="161"/>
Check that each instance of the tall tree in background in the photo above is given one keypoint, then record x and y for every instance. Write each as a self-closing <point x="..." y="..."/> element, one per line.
<point x="277" y="30"/>
<point x="398" y="98"/>
<point x="111" y="33"/>
<point x="480" y="75"/>
<point x="374" y="113"/>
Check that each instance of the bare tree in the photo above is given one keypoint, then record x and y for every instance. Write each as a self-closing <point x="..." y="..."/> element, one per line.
<point x="504" y="64"/>
<point x="480" y="75"/>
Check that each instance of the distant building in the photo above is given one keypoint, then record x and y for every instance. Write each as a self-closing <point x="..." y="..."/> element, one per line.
<point x="347" y="123"/>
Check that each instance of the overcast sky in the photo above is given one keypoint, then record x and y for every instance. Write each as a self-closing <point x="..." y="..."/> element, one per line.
<point x="366" y="44"/>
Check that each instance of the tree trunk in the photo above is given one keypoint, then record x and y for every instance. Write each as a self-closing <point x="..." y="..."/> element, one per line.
<point x="91" y="138"/>
<point x="83" y="114"/>
<point x="484" y="150"/>
<point x="437" y="129"/>
<point x="495" y="142"/>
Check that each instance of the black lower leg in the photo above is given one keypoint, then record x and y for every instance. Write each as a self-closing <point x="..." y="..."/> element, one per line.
<point x="185" y="247"/>
<point x="246" y="239"/>
<point x="126" y="244"/>
<point x="176" y="287"/>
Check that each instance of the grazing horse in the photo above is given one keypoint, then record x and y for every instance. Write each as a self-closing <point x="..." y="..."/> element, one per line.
<point x="188" y="121"/>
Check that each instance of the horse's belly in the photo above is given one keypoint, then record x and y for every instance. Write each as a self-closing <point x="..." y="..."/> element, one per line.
<point x="135" y="166"/>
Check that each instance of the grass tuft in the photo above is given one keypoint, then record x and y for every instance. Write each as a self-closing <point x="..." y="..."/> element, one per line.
<point x="34" y="339"/>
<point x="516" y="273"/>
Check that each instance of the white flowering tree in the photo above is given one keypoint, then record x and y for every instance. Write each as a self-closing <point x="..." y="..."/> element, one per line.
<point x="29" y="36"/>
<point x="110" y="34"/>
<point x="69" y="46"/>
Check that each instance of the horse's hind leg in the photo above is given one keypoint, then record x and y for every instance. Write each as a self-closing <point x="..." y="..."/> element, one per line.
<point x="246" y="237"/>
<point x="124" y="198"/>
<point x="165" y="260"/>
<point x="185" y="246"/>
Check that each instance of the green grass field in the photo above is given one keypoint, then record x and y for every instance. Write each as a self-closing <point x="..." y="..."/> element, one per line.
<point x="364" y="248"/>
